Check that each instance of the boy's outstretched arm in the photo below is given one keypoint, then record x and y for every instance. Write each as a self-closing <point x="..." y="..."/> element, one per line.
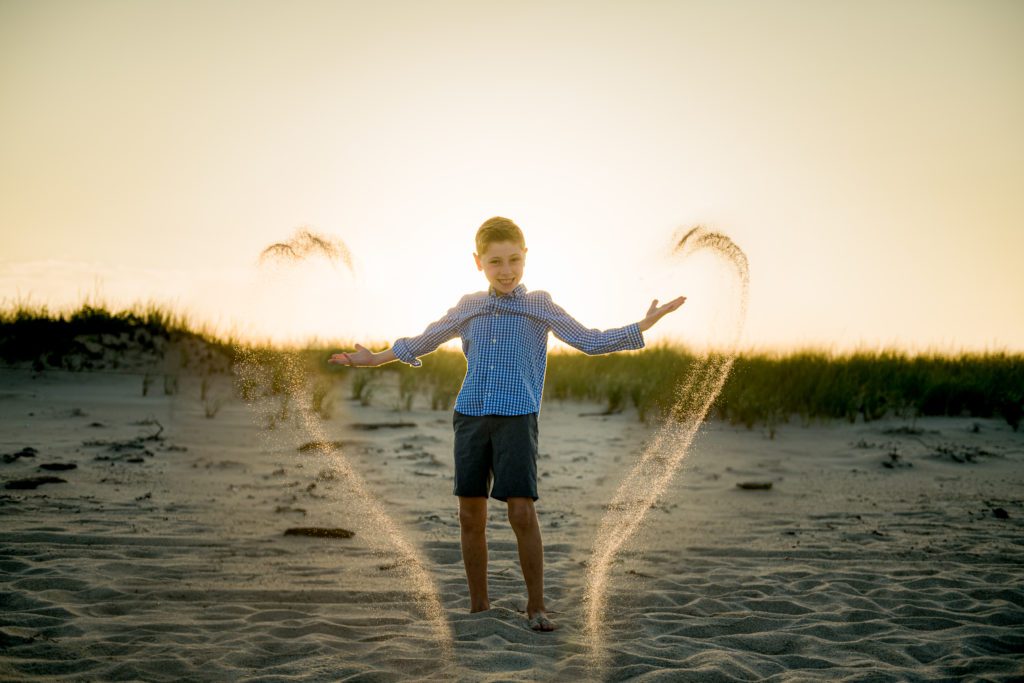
<point x="595" y="342"/>
<point x="406" y="349"/>
<point x="656" y="312"/>
<point x="362" y="357"/>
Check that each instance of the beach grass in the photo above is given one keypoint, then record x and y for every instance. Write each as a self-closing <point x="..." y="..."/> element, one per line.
<point x="773" y="388"/>
<point x="77" y="339"/>
<point x="763" y="388"/>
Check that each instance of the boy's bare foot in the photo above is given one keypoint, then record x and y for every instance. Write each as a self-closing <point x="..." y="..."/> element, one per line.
<point x="540" y="622"/>
<point x="482" y="608"/>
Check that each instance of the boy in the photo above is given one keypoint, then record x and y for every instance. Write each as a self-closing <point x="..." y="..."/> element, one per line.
<point x="504" y="335"/>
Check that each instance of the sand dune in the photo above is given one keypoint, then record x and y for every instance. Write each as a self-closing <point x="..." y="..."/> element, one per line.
<point x="878" y="553"/>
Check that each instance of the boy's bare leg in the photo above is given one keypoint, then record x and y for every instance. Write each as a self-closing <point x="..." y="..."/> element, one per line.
<point x="523" y="517"/>
<point x="473" y="521"/>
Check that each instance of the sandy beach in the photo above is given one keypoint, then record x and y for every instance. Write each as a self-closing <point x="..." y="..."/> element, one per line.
<point x="892" y="550"/>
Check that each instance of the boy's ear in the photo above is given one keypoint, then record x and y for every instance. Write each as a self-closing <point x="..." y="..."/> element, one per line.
<point x="479" y="266"/>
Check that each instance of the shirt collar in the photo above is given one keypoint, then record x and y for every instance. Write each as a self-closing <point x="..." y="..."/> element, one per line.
<point x="519" y="291"/>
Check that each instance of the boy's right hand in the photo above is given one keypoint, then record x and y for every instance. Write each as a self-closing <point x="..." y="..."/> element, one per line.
<point x="360" y="357"/>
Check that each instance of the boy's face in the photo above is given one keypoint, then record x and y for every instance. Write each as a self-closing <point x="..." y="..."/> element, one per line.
<point x="502" y="263"/>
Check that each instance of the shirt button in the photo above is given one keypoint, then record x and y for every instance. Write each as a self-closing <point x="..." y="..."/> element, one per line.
<point x="493" y="340"/>
<point x="492" y="367"/>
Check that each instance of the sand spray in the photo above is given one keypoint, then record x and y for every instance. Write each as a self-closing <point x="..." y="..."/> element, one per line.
<point x="275" y="384"/>
<point x="650" y="476"/>
<point x="287" y="378"/>
<point x="304" y="244"/>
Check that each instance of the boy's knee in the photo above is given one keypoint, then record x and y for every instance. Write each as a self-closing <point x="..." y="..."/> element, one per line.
<point x="473" y="519"/>
<point x="521" y="513"/>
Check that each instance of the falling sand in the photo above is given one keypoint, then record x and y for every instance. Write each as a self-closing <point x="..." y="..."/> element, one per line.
<point x="651" y="475"/>
<point x="275" y="384"/>
<point x="304" y="244"/>
<point x="285" y="379"/>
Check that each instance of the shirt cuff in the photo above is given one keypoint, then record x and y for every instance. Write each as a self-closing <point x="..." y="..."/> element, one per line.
<point x="403" y="353"/>
<point x="634" y="336"/>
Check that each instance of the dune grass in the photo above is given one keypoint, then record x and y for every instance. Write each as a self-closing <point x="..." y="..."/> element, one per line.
<point x="48" y="338"/>
<point x="769" y="389"/>
<point x="763" y="388"/>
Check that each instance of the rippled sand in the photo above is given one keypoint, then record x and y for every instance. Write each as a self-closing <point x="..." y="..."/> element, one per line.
<point x="167" y="559"/>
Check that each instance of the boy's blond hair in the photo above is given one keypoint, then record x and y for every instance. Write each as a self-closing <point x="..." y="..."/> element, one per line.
<point x="498" y="229"/>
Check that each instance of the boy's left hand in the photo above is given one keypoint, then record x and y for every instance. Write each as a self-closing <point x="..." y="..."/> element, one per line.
<point x="656" y="312"/>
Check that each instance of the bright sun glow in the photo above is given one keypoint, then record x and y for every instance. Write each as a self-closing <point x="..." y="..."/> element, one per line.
<point x="149" y="155"/>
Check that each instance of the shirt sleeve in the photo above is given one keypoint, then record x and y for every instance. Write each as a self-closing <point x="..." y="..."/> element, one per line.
<point x="408" y="349"/>
<point x="591" y="341"/>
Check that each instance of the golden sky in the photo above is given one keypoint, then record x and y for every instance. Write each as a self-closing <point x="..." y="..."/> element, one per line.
<point x="867" y="156"/>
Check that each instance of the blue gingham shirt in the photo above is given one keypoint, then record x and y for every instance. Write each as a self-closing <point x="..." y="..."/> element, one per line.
<point x="505" y="339"/>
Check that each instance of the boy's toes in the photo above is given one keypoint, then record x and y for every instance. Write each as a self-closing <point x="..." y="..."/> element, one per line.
<point x="540" y="622"/>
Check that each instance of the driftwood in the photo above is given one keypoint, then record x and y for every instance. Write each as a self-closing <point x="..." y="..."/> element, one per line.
<point x="319" y="532"/>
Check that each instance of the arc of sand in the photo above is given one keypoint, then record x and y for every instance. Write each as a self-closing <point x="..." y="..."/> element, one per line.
<point x="305" y="243"/>
<point x="384" y="533"/>
<point x="389" y="536"/>
<point x="651" y="475"/>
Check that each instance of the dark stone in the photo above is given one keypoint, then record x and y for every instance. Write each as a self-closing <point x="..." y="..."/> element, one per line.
<point x="369" y="426"/>
<point x="1000" y="513"/>
<point x="905" y="430"/>
<point x="754" y="485"/>
<point x="895" y="461"/>
<point x="33" y="482"/>
<point x="27" y="452"/>
<point x="58" y="466"/>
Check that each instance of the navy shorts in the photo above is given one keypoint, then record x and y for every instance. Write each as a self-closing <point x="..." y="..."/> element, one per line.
<point x="496" y="448"/>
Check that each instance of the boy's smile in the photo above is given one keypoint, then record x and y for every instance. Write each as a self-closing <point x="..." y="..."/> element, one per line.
<point x="503" y="264"/>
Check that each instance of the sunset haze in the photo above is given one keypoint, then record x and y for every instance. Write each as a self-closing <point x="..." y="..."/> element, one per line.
<point x="867" y="157"/>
